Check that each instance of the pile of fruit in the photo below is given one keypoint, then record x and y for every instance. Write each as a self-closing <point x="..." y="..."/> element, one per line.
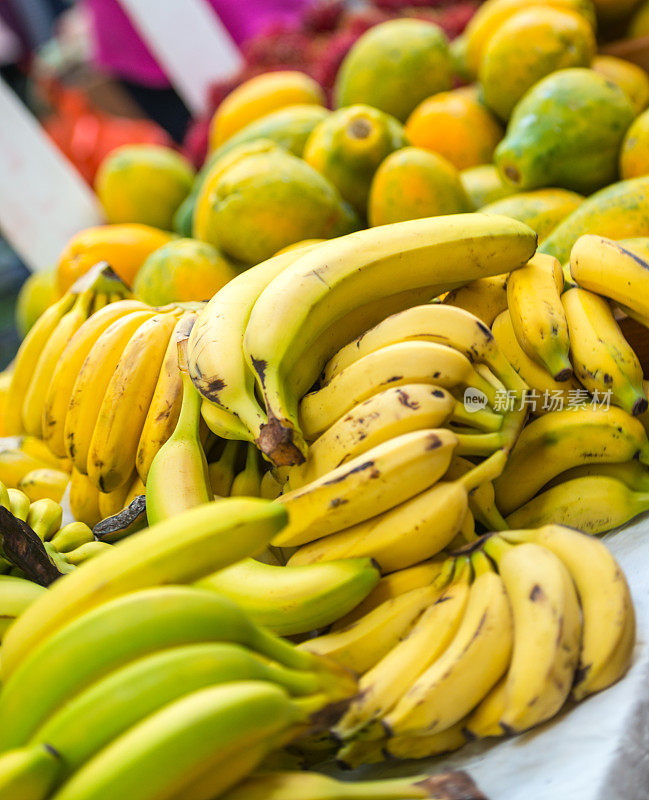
<point x="376" y="395"/>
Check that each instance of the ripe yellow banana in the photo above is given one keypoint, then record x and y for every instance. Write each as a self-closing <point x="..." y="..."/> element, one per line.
<point x="247" y="483"/>
<point x="475" y="660"/>
<point x="632" y="473"/>
<point x="39" y="449"/>
<point x="16" y="595"/>
<point x="547" y="632"/>
<point x="392" y="412"/>
<point x="84" y="499"/>
<point x="561" y="440"/>
<point x="607" y="609"/>
<point x="86" y="551"/>
<point x="44" y="518"/>
<point x="534" y="302"/>
<point x="19" y="504"/>
<point x="223" y="532"/>
<point x="221" y="472"/>
<point x="92" y="382"/>
<point x="392" y="366"/>
<point x="484" y="721"/>
<point x="603" y="359"/>
<point x="26" y="359"/>
<point x="427" y="746"/>
<point x="482" y="499"/>
<point x="111" y="503"/>
<point x="485" y="298"/>
<point x="44" y="483"/>
<point x="72" y="536"/>
<point x="608" y="268"/>
<point x="406" y="534"/>
<point x="115" y="439"/>
<point x="593" y="504"/>
<point x="29" y="773"/>
<point x="370" y="484"/>
<point x="15" y="464"/>
<point x="325" y="284"/>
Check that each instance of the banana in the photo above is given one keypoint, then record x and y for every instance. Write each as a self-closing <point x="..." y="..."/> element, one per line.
<point x="482" y="499"/>
<point x="44" y="518"/>
<point x="247" y="483"/>
<point x="325" y="284"/>
<point x="217" y="365"/>
<point x="17" y="594"/>
<point x="632" y="474"/>
<point x="408" y="533"/>
<point x="34" y="402"/>
<point x="608" y="268"/>
<point x="115" y="439"/>
<point x="395" y="365"/>
<point x="467" y="670"/>
<point x="603" y="359"/>
<point x="92" y="382"/>
<point x="44" y="483"/>
<point x="485" y="298"/>
<point x="221" y="472"/>
<point x="15" y="464"/>
<point x="269" y="486"/>
<point x="383" y="685"/>
<point x="392" y="412"/>
<point x="72" y="536"/>
<point x="84" y="499"/>
<point x="111" y="503"/>
<point x="376" y="481"/>
<point x="86" y="551"/>
<point x="29" y="773"/>
<point x="539" y="320"/>
<point x="165" y="752"/>
<point x="593" y="504"/>
<point x="178" y="478"/>
<point x="364" y="643"/>
<point x="96" y="716"/>
<point x="560" y="440"/>
<point x="19" y="503"/>
<point x="297" y="600"/>
<point x="555" y="395"/>
<point x="40" y="450"/>
<point x="223" y="532"/>
<point x="547" y="632"/>
<point x="484" y="721"/>
<point x="164" y="409"/>
<point x="27" y="358"/>
<point x="426" y="746"/>
<point x="607" y="609"/>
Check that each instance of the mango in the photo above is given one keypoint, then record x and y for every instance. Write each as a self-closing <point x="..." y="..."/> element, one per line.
<point x="143" y="183"/>
<point x="348" y="147"/>
<point x="620" y="211"/>
<point x="631" y="78"/>
<point x="528" y="46"/>
<point x="260" y="96"/>
<point x="542" y="209"/>
<point x="414" y="183"/>
<point x="259" y="203"/>
<point x="634" y="155"/>
<point x="394" y="66"/>
<point x="484" y="184"/>
<point x="566" y="132"/>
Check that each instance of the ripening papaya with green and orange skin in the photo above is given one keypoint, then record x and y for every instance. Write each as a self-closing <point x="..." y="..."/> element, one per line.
<point x="413" y="183"/>
<point x="348" y="147"/>
<point x="394" y="66"/>
<point x="566" y="132"/>
<point x="634" y="155"/>
<point x="528" y="46"/>
<point x="620" y="211"/>
<point x="541" y="209"/>
<point x="631" y="78"/>
<point x="264" y="201"/>
<point x="484" y="184"/>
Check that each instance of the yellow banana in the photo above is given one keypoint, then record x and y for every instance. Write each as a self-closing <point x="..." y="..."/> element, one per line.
<point x="111" y="503"/>
<point x="376" y="481"/>
<point x="19" y="504"/>
<point x="534" y="302"/>
<point x="427" y="746"/>
<point x="484" y="721"/>
<point x="632" y="473"/>
<point x="72" y="536"/>
<point x="15" y="464"/>
<point x="221" y="472"/>
<point x="86" y="551"/>
<point x="92" y="382"/>
<point x="39" y="449"/>
<point x="247" y="483"/>
<point x="325" y="284"/>
<point x="84" y="499"/>
<point x="44" y="483"/>
<point x="482" y="499"/>
<point x="561" y="440"/>
<point x="115" y="439"/>
<point x="484" y="298"/>
<point x="603" y="359"/>
<point x="44" y="518"/>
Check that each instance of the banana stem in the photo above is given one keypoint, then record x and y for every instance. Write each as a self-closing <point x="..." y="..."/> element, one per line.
<point x="482" y="385"/>
<point x="496" y="547"/>
<point x="484" y="418"/>
<point x="479" y="444"/>
<point x="487" y="470"/>
<point x="480" y="563"/>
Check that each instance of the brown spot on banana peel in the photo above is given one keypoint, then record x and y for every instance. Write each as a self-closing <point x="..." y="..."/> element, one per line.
<point x="434" y="442"/>
<point x="456" y="785"/>
<point x="210" y="388"/>
<point x="537" y="593"/>
<point x="359" y="468"/>
<point x="276" y="441"/>
<point x="405" y="400"/>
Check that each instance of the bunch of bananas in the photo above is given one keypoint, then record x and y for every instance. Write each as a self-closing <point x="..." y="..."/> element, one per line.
<point x="34" y="469"/>
<point x="488" y="642"/>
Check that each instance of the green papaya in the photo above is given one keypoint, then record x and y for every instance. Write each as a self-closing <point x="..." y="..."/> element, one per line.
<point x="566" y="131"/>
<point x="619" y="211"/>
<point x="484" y="184"/>
<point x="542" y="209"/>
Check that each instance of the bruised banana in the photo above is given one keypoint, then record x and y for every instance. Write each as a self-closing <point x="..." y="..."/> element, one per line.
<point x="370" y="484"/>
<point x="325" y="284"/>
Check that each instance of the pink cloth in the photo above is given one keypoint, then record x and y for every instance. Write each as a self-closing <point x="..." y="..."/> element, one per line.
<point x="119" y="49"/>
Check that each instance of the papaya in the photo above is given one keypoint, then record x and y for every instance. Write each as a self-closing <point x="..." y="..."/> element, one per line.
<point x="124" y="247"/>
<point x="542" y="209"/>
<point x="394" y="66"/>
<point x="259" y="96"/>
<point x="528" y="46"/>
<point x="456" y="125"/>
<point x="493" y="13"/>
<point x="36" y="294"/>
<point x="566" y="132"/>
<point x="619" y="211"/>
<point x="413" y="183"/>
<point x="349" y="145"/>
<point x="143" y="183"/>
<point x="639" y="25"/>
<point x="457" y="48"/>
<point x="634" y="155"/>
<point x="631" y="78"/>
<point x="484" y="184"/>
<point x="259" y="203"/>
<point x="182" y="271"/>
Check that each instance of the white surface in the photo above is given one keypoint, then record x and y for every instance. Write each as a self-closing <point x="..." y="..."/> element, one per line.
<point x="189" y="42"/>
<point x="43" y="199"/>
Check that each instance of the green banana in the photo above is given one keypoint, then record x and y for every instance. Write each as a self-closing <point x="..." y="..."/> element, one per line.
<point x="29" y="773"/>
